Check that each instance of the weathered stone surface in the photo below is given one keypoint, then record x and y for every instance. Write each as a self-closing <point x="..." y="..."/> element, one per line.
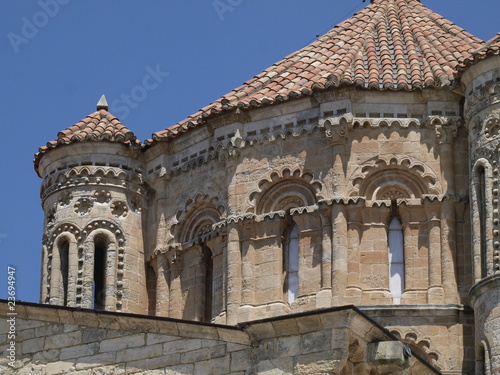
<point x="59" y="367"/>
<point x="63" y="340"/>
<point x="120" y="343"/>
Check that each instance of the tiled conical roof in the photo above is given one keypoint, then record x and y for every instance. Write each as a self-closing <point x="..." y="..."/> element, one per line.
<point x="98" y="126"/>
<point x="389" y="45"/>
<point x="490" y="48"/>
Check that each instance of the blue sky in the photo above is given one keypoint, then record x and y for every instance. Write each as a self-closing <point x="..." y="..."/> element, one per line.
<point x="57" y="57"/>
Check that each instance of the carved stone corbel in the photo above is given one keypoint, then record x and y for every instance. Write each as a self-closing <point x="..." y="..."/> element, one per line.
<point x="446" y="128"/>
<point x="337" y="134"/>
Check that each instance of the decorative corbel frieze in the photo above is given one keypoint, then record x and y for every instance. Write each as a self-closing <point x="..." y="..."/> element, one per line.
<point x="342" y="200"/>
<point x="305" y="209"/>
<point x="229" y="154"/>
<point x="337" y="128"/>
<point x="337" y="134"/>
<point x="276" y="215"/>
<point x="446" y="128"/>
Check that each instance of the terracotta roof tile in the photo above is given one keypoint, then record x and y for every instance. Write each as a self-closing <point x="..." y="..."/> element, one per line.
<point x="98" y="126"/>
<point x="490" y="48"/>
<point x="389" y="45"/>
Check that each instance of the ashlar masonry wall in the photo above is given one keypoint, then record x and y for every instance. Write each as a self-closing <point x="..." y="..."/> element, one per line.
<point x="53" y="340"/>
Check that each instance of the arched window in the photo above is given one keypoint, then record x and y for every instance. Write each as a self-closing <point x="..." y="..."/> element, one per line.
<point x="481" y="197"/>
<point x="99" y="286"/>
<point x="209" y="271"/>
<point x="291" y="263"/>
<point x="396" y="260"/>
<point x="64" y="267"/>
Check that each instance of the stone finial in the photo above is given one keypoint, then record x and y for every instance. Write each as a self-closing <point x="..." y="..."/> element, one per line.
<point x="102" y="104"/>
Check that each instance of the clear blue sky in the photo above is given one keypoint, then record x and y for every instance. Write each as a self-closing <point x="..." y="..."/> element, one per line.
<point x="59" y="56"/>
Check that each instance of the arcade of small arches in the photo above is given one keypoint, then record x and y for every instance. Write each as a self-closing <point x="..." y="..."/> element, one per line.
<point x="300" y="244"/>
<point x="392" y="202"/>
<point x="84" y="267"/>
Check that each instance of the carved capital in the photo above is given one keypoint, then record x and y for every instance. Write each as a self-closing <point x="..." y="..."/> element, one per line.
<point x="228" y="155"/>
<point x="337" y="134"/>
<point x="446" y="133"/>
<point x="174" y="256"/>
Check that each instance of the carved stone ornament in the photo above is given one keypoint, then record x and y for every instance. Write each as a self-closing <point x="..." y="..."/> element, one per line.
<point x="102" y="196"/>
<point x="228" y="154"/>
<point x="135" y="204"/>
<point x="51" y="216"/>
<point x="119" y="209"/>
<point x="337" y="134"/>
<point x="446" y="134"/>
<point x="83" y="206"/>
<point x="207" y="228"/>
<point x="65" y="198"/>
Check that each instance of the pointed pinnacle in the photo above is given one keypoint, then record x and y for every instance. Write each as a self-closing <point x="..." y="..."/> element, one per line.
<point x="102" y="104"/>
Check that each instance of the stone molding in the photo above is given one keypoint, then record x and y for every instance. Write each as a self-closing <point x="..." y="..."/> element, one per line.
<point x="485" y="285"/>
<point x="227" y="147"/>
<point x="90" y="175"/>
<point x="482" y="97"/>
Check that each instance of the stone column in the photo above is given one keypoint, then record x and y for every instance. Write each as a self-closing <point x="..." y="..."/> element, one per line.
<point x="409" y="251"/>
<point x="355" y="228"/>
<point x="162" y="235"/>
<point x="448" y="254"/>
<point x="324" y="296"/>
<point x="44" y="282"/>
<point x="477" y="257"/>
<point x="72" y="271"/>
<point x="340" y="256"/>
<point x="445" y="135"/>
<point x="247" y="274"/>
<point x="162" y="287"/>
<point x="86" y="290"/>
<point x="55" y="276"/>
<point x="175" y="300"/>
<point x="233" y="266"/>
<point x="110" y="275"/>
<point x="435" y="294"/>
<point x="234" y="277"/>
<point x="337" y="135"/>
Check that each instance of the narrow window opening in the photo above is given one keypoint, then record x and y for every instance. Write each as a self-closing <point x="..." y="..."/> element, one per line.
<point x="483" y="365"/>
<point x="151" y="289"/>
<point x="396" y="257"/>
<point x="209" y="270"/>
<point x="481" y="195"/>
<point x="99" y="287"/>
<point x="64" y="262"/>
<point x="292" y="261"/>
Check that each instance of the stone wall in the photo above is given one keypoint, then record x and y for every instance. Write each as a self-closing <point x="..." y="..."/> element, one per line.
<point x="57" y="340"/>
<point x="54" y="340"/>
<point x="442" y="334"/>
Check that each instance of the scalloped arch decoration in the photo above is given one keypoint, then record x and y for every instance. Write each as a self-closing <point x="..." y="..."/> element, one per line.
<point x="406" y="175"/>
<point x="420" y="346"/>
<point x="193" y="221"/>
<point x="283" y="190"/>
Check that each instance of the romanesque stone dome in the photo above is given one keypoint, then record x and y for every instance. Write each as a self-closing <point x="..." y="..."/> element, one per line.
<point x="389" y="45"/>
